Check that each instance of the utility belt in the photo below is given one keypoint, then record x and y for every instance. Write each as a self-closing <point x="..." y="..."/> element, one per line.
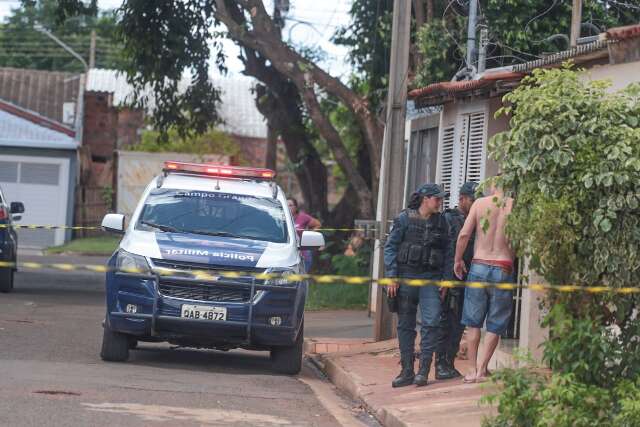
<point x="418" y="258"/>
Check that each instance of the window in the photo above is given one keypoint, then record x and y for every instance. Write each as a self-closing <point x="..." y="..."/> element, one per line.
<point x="40" y="173"/>
<point x="462" y="158"/>
<point x="8" y="171"/>
<point x="446" y="160"/>
<point x="215" y="214"/>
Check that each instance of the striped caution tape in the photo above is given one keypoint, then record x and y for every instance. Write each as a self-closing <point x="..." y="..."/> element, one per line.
<point x="79" y="227"/>
<point x="325" y="278"/>
<point x="49" y="227"/>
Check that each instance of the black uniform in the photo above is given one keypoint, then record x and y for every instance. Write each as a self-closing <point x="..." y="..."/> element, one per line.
<point x="422" y="249"/>
<point x="452" y="310"/>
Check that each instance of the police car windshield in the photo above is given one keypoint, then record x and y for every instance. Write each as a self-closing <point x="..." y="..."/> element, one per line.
<point x="214" y="214"/>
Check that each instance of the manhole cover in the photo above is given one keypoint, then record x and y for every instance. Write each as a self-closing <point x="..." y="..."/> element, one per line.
<point x="57" y="392"/>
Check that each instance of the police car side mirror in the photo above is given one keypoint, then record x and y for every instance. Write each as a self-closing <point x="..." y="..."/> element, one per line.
<point x="17" y="208"/>
<point x="311" y="240"/>
<point x="113" y="223"/>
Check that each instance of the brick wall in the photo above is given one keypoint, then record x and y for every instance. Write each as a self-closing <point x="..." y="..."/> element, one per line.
<point x="107" y="128"/>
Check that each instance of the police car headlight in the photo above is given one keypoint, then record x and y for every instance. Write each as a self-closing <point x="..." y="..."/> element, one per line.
<point x="281" y="277"/>
<point x="132" y="263"/>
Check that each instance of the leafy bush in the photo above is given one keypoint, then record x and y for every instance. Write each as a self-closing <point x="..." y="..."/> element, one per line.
<point x="211" y="142"/>
<point x="572" y="158"/>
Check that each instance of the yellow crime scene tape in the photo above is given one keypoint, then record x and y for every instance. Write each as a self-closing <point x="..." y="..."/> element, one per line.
<point x="79" y="227"/>
<point x="325" y="278"/>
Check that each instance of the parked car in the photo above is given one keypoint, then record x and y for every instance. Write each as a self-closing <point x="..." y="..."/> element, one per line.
<point x="8" y="241"/>
<point x="213" y="219"/>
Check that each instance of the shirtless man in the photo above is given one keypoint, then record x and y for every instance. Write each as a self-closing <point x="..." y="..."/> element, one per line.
<point x="492" y="262"/>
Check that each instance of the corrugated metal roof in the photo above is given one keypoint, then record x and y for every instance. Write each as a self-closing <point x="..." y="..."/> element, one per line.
<point x="237" y="106"/>
<point x="110" y="81"/>
<point x="559" y="57"/>
<point x="44" y="92"/>
<point x="19" y="132"/>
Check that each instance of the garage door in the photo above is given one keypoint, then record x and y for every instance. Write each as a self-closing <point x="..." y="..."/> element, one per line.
<point x="40" y="183"/>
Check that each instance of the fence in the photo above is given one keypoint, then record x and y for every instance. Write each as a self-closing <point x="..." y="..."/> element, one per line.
<point x="92" y="204"/>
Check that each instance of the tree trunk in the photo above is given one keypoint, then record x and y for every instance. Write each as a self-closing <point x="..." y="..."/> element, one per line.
<point x="264" y="37"/>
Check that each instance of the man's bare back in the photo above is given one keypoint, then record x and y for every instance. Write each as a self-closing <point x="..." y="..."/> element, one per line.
<point x="489" y="220"/>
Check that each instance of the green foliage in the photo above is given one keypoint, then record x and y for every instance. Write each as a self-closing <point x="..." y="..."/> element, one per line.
<point x="518" y="30"/>
<point x="572" y="158"/>
<point x="368" y="38"/>
<point x="211" y="142"/>
<point x="338" y="295"/>
<point x="21" y="46"/>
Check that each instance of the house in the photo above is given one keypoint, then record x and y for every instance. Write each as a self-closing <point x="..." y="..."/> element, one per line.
<point x="39" y="139"/>
<point x="467" y="122"/>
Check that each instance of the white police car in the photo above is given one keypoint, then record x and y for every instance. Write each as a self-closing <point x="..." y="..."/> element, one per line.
<point x="216" y="219"/>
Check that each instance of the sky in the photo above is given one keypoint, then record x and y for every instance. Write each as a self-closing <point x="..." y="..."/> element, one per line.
<point x="311" y="23"/>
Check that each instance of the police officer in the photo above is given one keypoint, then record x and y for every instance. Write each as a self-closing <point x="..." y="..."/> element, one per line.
<point x="452" y="307"/>
<point x="419" y="246"/>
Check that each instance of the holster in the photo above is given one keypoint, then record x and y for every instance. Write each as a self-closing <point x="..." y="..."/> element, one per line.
<point x="392" y="303"/>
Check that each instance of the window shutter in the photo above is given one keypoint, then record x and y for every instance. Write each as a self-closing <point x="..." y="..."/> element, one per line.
<point x="446" y="160"/>
<point x="475" y="148"/>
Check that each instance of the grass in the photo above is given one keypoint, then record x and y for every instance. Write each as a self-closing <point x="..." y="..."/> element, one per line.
<point x="337" y="297"/>
<point x="103" y="245"/>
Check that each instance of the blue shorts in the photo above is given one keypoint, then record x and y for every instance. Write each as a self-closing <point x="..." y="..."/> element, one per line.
<point x="490" y="303"/>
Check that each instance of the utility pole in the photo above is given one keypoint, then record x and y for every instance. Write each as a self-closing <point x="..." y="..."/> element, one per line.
<point x="390" y="190"/>
<point x="92" y="50"/>
<point x="576" y="22"/>
<point x="471" y="32"/>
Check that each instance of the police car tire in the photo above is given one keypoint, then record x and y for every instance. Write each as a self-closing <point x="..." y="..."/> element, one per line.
<point x="115" y="346"/>
<point x="288" y="360"/>
<point x="6" y="280"/>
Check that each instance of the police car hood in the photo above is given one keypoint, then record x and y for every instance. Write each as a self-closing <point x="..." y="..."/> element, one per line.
<point x="212" y="250"/>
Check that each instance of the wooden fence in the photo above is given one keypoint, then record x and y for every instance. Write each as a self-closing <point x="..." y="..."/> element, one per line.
<point x="92" y="203"/>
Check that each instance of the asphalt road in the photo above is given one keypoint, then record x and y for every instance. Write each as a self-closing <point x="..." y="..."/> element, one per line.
<point x="51" y="373"/>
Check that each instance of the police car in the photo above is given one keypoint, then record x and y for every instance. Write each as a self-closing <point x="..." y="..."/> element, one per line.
<point x="219" y="220"/>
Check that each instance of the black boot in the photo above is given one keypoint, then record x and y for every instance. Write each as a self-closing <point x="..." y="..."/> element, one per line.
<point x="444" y="371"/>
<point x="423" y="372"/>
<point x="406" y="374"/>
<point x="450" y="361"/>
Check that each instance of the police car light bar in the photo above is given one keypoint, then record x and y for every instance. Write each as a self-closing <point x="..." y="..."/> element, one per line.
<point x="219" y="170"/>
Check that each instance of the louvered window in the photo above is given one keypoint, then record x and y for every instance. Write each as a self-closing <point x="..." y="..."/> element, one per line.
<point x="462" y="155"/>
<point x="446" y="159"/>
<point x="476" y="147"/>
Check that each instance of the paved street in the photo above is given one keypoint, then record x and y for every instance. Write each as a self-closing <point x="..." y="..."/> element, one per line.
<point x="51" y="373"/>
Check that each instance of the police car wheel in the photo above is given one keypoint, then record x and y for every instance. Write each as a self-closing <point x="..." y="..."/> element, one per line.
<point x="115" y="346"/>
<point x="6" y="280"/>
<point x="133" y="343"/>
<point x="288" y="360"/>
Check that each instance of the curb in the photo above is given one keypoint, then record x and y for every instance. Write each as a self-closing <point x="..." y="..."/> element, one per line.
<point x="348" y="385"/>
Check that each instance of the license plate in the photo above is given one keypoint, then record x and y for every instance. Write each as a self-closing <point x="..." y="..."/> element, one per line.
<point x="203" y="312"/>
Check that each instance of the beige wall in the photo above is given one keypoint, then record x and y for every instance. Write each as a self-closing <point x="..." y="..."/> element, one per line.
<point x="494" y="126"/>
<point x="620" y="75"/>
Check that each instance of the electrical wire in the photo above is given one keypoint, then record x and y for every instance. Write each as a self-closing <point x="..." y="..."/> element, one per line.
<point x="540" y="15"/>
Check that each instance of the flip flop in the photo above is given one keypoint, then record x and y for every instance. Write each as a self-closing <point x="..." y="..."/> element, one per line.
<point x="469" y="380"/>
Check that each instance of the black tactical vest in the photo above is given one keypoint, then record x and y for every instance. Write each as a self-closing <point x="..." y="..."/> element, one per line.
<point x="456" y="221"/>
<point x="424" y="246"/>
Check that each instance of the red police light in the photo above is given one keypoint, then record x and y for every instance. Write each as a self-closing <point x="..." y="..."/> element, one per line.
<point x="219" y="170"/>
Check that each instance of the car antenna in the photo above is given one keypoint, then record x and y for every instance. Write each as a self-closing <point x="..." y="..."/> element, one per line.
<point x="217" y="188"/>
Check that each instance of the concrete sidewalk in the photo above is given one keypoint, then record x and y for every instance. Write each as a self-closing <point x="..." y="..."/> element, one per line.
<point x="364" y="370"/>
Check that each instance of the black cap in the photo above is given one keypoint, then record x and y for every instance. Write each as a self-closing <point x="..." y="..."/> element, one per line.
<point x="469" y="189"/>
<point x="432" y="190"/>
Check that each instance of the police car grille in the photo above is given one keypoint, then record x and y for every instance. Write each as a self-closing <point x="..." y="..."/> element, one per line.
<point x="202" y="292"/>
<point x="194" y="266"/>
